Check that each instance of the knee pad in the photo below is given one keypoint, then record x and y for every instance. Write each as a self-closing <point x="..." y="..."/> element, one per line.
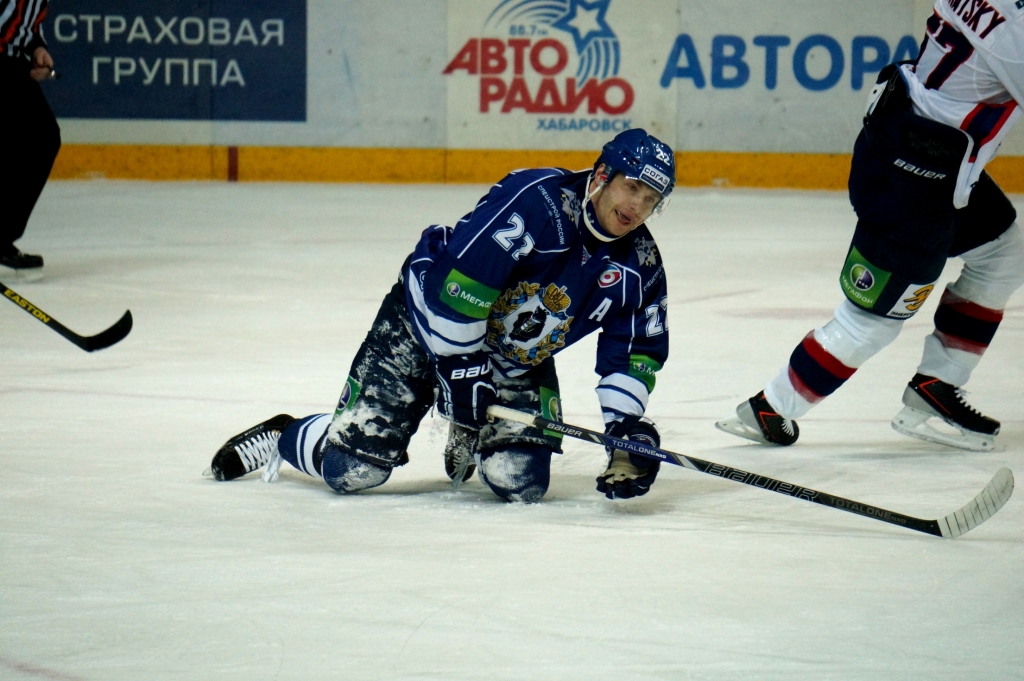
<point x="516" y="472"/>
<point x="992" y="271"/>
<point x="853" y="336"/>
<point x="346" y="472"/>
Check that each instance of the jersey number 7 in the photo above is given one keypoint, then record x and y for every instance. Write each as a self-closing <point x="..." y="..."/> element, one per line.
<point x="958" y="49"/>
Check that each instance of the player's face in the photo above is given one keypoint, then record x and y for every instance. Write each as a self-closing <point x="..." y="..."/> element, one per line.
<point x="623" y="204"/>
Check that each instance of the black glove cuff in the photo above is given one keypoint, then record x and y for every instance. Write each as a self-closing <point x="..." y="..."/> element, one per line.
<point x="637" y="428"/>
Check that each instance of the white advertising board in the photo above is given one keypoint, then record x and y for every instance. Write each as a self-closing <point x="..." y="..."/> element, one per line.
<point x="730" y="75"/>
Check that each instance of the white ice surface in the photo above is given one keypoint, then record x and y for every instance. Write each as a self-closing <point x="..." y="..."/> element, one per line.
<point x="119" y="561"/>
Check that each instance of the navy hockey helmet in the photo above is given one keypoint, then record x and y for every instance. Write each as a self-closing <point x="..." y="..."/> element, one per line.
<point x="641" y="156"/>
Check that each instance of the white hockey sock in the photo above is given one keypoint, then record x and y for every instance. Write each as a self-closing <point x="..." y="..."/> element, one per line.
<point x="781" y="394"/>
<point x="972" y="307"/>
<point x="963" y="331"/>
<point x="827" y="358"/>
<point x="300" y="440"/>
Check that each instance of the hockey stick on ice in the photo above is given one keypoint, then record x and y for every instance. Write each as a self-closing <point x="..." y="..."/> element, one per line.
<point x="104" y="339"/>
<point x="977" y="511"/>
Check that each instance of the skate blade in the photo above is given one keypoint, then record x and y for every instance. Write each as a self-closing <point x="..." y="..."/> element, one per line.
<point x="29" y="275"/>
<point x="734" y="425"/>
<point x="915" y="423"/>
<point x="208" y="473"/>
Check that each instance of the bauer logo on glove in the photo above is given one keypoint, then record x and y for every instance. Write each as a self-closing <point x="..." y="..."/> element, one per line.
<point x="465" y="388"/>
<point x="473" y="372"/>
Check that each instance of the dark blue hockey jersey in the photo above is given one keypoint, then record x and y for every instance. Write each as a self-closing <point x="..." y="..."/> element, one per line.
<point x="514" y="278"/>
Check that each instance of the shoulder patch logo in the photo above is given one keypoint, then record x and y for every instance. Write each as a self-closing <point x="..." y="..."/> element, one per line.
<point x="646" y="250"/>
<point x="611" y="276"/>
<point x="571" y="207"/>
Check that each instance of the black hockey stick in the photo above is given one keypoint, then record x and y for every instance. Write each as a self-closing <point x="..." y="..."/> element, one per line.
<point x="977" y="511"/>
<point x="104" y="339"/>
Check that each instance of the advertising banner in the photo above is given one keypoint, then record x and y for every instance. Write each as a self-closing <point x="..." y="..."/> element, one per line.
<point x="228" y="60"/>
<point x="788" y="76"/>
<point x="556" y="74"/>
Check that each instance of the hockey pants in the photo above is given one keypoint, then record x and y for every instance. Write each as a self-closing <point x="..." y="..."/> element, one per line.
<point x="390" y="388"/>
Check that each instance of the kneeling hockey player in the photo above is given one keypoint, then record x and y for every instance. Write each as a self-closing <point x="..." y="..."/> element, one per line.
<point x="479" y="311"/>
<point x="921" y="195"/>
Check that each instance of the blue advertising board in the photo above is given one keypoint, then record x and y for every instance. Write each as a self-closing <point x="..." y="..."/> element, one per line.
<point x="228" y="60"/>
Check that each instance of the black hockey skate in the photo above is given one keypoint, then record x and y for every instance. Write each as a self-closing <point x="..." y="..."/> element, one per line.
<point x="16" y="260"/>
<point x="757" y="420"/>
<point x="925" y="397"/>
<point x="25" y="267"/>
<point x="248" y="451"/>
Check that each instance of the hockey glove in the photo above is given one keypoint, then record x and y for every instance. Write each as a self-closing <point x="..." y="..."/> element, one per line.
<point x="630" y="475"/>
<point x="465" y="389"/>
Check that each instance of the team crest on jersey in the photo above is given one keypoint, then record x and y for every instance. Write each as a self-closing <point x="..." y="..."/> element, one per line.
<point x="611" y="276"/>
<point x="571" y="206"/>
<point x="527" y="324"/>
<point x="646" y="250"/>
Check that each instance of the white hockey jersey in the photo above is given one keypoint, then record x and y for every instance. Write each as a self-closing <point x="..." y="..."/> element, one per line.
<point x="969" y="75"/>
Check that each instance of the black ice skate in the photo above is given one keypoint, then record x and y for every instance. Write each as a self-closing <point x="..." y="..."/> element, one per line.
<point x="16" y="260"/>
<point x="757" y="420"/>
<point x="26" y="267"/>
<point x="925" y="397"/>
<point x="248" y="451"/>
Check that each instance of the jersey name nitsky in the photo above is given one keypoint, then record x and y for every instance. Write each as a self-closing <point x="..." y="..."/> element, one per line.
<point x="971" y="12"/>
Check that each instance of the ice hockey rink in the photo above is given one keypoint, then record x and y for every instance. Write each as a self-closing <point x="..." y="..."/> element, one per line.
<point x="118" y="560"/>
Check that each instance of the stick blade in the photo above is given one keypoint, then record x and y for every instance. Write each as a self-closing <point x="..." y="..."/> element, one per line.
<point x="980" y="508"/>
<point x="115" y="334"/>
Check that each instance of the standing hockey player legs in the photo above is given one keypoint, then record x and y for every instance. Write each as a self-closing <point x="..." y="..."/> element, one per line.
<point x="904" y="188"/>
<point x="547" y="257"/>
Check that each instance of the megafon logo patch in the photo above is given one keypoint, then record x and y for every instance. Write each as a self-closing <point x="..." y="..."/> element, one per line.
<point x="554" y="57"/>
<point x="862" y="277"/>
<point x="454" y="289"/>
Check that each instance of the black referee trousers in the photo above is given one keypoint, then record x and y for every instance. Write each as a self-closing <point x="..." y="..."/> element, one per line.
<point x="30" y="142"/>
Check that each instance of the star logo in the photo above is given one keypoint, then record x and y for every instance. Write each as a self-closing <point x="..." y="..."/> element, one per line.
<point x="585" y="21"/>
<point x="646" y="250"/>
<point x="596" y="44"/>
<point x="571" y="207"/>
